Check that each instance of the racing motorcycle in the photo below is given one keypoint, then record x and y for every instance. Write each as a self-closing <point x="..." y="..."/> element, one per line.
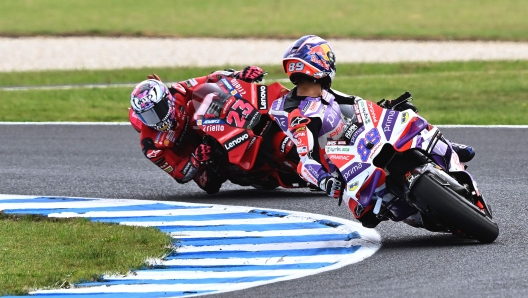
<point x="395" y="166"/>
<point x="249" y="148"/>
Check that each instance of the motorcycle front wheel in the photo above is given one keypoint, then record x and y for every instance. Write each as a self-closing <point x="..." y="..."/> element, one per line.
<point x="435" y="192"/>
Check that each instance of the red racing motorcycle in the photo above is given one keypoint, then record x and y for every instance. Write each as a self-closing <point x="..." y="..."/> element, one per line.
<point x="250" y="148"/>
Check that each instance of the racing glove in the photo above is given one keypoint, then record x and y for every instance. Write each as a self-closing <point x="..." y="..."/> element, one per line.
<point x="331" y="186"/>
<point x="154" y="77"/>
<point x="401" y="103"/>
<point x="251" y="74"/>
<point x="202" y="154"/>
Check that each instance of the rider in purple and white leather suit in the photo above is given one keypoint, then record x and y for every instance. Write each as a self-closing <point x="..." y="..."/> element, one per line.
<point x="311" y="114"/>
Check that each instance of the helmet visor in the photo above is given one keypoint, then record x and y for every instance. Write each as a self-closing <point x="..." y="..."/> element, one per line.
<point x="157" y="114"/>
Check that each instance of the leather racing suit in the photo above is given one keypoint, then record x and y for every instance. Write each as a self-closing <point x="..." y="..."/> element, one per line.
<point x="172" y="151"/>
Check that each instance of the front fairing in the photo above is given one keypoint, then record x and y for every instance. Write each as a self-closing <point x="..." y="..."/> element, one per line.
<point x="377" y="127"/>
<point x="228" y="110"/>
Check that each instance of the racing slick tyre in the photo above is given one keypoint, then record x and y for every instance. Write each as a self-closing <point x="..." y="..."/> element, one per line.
<point x="437" y="194"/>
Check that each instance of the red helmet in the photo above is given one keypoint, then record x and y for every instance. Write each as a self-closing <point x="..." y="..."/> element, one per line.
<point x="310" y="56"/>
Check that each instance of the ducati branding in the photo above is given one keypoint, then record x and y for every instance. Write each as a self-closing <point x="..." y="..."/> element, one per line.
<point x="237" y="140"/>
<point x="262" y="97"/>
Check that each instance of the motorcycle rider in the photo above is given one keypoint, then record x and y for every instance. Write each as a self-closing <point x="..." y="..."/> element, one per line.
<point x="312" y="113"/>
<point x="161" y="115"/>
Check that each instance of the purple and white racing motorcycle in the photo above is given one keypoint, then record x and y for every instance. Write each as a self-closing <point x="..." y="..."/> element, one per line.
<point x="401" y="168"/>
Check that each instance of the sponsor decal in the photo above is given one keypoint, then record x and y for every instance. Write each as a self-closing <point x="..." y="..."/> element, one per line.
<point x="213" y="127"/>
<point x="373" y="115"/>
<point x="331" y="116"/>
<point x="253" y="139"/>
<point x="236" y="140"/>
<point x="350" y="130"/>
<point x="166" y="167"/>
<point x="334" y="143"/>
<point x="212" y="121"/>
<point x="306" y="175"/>
<point x="179" y="88"/>
<point x="171" y="135"/>
<point x="364" y="112"/>
<point x="238" y="87"/>
<point x="160" y="161"/>
<point x="314" y="106"/>
<point x="313" y="171"/>
<point x="227" y="106"/>
<point x="375" y="149"/>
<point x="340" y="157"/>
<point x="154" y="153"/>
<point x="356" y="134"/>
<point x="284" y="142"/>
<point x="296" y="121"/>
<point x="354" y="169"/>
<point x="319" y="55"/>
<point x="358" y="115"/>
<point x="187" y="167"/>
<point x="353" y="186"/>
<point x="262" y="97"/>
<point x="193" y="82"/>
<point x="404" y="117"/>
<point x="337" y="149"/>
<point x="276" y="104"/>
<point x="388" y="123"/>
<point x="302" y="150"/>
<point x="158" y="137"/>
<point x="298" y="134"/>
<point x="281" y="121"/>
<point x="228" y="85"/>
<point x="203" y="178"/>
<point x="337" y="130"/>
<point x="188" y="84"/>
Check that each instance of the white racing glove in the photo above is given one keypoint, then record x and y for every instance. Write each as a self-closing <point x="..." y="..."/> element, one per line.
<point x="331" y="185"/>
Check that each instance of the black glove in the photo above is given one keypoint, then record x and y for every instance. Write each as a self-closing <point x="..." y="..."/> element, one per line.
<point x="401" y="103"/>
<point x="202" y="154"/>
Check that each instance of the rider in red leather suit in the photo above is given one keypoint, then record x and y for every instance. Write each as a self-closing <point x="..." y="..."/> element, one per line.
<point x="162" y="116"/>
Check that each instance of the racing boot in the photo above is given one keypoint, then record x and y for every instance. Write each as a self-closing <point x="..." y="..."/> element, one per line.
<point x="465" y="153"/>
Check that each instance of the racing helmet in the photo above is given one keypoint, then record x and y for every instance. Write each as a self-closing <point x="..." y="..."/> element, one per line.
<point x="310" y="56"/>
<point x="155" y="106"/>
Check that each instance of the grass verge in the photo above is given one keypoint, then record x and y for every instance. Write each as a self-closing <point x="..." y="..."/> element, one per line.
<point x="480" y="93"/>
<point x="38" y="252"/>
<point x="402" y="19"/>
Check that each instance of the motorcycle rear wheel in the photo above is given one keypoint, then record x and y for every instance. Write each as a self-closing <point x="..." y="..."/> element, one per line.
<point x="434" y="192"/>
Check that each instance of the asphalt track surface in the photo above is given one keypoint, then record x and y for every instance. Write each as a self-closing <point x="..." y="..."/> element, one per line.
<point x="105" y="162"/>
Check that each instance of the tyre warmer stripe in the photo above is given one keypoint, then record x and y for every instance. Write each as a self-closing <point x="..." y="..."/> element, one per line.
<point x="218" y="248"/>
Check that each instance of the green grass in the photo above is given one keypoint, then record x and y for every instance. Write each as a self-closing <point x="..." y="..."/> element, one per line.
<point x="446" y="93"/>
<point x="37" y="252"/>
<point x="396" y="19"/>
